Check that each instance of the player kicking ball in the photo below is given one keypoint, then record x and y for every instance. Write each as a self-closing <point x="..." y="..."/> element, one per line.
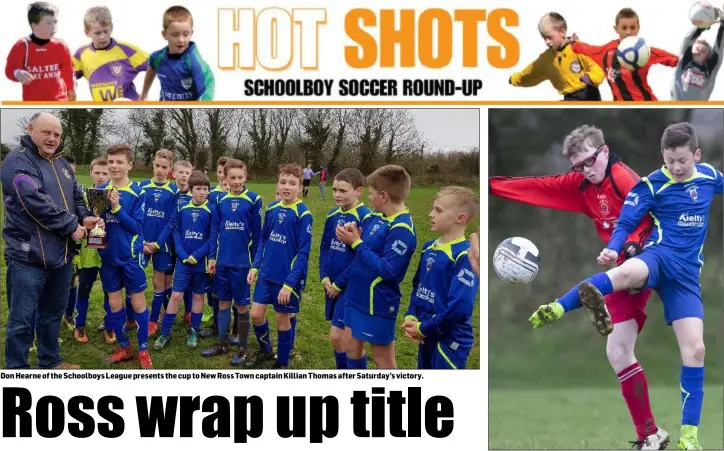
<point x="679" y="196"/>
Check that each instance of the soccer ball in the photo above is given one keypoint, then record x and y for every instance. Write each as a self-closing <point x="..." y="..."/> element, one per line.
<point x="633" y="53"/>
<point x="516" y="260"/>
<point x="703" y="15"/>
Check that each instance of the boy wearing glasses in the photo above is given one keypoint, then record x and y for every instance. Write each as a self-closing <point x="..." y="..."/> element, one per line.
<point x="597" y="187"/>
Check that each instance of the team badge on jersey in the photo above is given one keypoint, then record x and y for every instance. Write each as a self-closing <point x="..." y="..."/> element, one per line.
<point x="281" y="216"/>
<point x="195" y="215"/>
<point x="116" y="70"/>
<point x="187" y="83"/>
<point x="576" y="67"/>
<point x="375" y="228"/>
<point x="156" y="196"/>
<point x="692" y="192"/>
<point x="428" y="263"/>
<point x="604" y="206"/>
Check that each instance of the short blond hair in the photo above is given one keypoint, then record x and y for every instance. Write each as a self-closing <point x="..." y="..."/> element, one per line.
<point x="582" y="138"/>
<point x="233" y="163"/>
<point x="97" y="14"/>
<point x="177" y="14"/>
<point x="165" y="154"/>
<point x="183" y="164"/>
<point x="552" y="21"/>
<point x="391" y="179"/>
<point x="462" y="198"/>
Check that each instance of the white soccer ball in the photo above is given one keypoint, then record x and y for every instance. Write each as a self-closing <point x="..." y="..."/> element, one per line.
<point x="516" y="260"/>
<point x="633" y="53"/>
<point x="703" y="15"/>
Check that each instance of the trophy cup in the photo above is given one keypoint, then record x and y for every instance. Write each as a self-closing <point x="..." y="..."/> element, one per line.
<point x="98" y="202"/>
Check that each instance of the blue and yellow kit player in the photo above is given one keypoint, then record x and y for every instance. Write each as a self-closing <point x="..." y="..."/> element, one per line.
<point x="678" y="196"/>
<point x="335" y="256"/>
<point x="382" y="255"/>
<point x="282" y="264"/>
<point x="444" y="289"/>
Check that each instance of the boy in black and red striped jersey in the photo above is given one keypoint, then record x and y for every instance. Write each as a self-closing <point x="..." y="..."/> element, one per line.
<point x="625" y="85"/>
<point x="39" y="62"/>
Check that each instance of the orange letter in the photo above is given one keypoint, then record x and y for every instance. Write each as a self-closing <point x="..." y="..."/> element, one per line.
<point x="470" y="19"/>
<point x="389" y="37"/>
<point x="503" y="36"/>
<point x="366" y="41"/>
<point x="444" y="38"/>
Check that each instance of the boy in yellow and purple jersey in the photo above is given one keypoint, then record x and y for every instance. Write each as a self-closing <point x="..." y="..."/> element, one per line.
<point x="109" y="66"/>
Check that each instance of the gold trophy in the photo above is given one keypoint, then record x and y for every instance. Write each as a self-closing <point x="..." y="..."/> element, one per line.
<point x="98" y="202"/>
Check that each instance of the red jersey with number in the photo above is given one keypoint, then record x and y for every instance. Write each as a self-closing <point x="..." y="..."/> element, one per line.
<point x="49" y="62"/>
<point x="625" y="85"/>
<point x="573" y="192"/>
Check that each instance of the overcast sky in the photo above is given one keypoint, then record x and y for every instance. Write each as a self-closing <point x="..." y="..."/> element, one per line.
<point x="446" y="129"/>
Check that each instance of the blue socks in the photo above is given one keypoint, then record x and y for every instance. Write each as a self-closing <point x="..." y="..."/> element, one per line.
<point x="196" y="321"/>
<point x="158" y="301"/>
<point x="167" y="323"/>
<point x="142" y="320"/>
<point x="357" y="364"/>
<point x="692" y="394"/>
<point x="82" y="307"/>
<point x="119" y="327"/>
<point x="130" y="314"/>
<point x="293" y="321"/>
<point x="166" y="297"/>
<point x="108" y="320"/>
<point x="224" y="320"/>
<point x="341" y="359"/>
<point x="570" y="300"/>
<point x="285" y="347"/>
<point x="262" y="336"/>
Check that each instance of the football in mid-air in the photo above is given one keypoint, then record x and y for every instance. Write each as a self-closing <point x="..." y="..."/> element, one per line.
<point x="516" y="260"/>
<point x="633" y="53"/>
<point x="703" y="14"/>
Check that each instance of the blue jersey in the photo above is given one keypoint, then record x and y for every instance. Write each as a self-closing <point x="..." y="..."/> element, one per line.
<point x="183" y="77"/>
<point x="160" y="208"/>
<point x="381" y="259"/>
<point x="124" y="226"/>
<point x="182" y="198"/>
<point x="286" y="239"/>
<point x="444" y="290"/>
<point x="680" y="211"/>
<point x="192" y="233"/>
<point x="334" y="257"/>
<point x="217" y="193"/>
<point x="237" y="229"/>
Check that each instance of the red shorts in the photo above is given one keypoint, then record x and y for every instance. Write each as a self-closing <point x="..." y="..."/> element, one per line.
<point x="623" y="306"/>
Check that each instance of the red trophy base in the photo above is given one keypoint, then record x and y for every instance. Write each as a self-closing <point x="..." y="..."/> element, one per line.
<point x="97" y="242"/>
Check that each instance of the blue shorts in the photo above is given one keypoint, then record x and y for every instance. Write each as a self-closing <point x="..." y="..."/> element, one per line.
<point x="442" y="355"/>
<point x="377" y="330"/>
<point x="267" y="293"/>
<point x="334" y="311"/>
<point x="130" y="276"/>
<point x="162" y="261"/>
<point x="676" y="282"/>
<point x="230" y="285"/>
<point x="185" y="278"/>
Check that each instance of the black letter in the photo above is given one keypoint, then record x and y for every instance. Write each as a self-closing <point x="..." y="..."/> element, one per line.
<point x="299" y="416"/>
<point x="76" y="404"/>
<point x="396" y="401"/>
<point x="321" y="409"/>
<point x="242" y="429"/>
<point x="222" y="411"/>
<point x="105" y="409"/>
<point x="378" y="407"/>
<point x="148" y="418"/>
<point x="414" y="412"/>
<point x="16" y="403"/>
<point x="359" y="411"/>
<point x="187" y="418"/>
<point x="57" y="421"/>
<point x="432" y="413"/>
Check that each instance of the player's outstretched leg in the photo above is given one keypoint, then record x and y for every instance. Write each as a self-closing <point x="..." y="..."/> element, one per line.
<point x="690" y="335"/>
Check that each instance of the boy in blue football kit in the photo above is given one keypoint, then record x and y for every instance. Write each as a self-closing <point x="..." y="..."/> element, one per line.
<point x="183" y="73"/>
<point x="193" y="244"/>
<point x="182" y="171"/>
<point x="440" y="315"/>
<point x="235" y="233"/>
<point x="160" y="195"/>
<point x="281" y="263"/>
<point x="678" y="196"/>
<point x="123" y="261"/>
<point x="382" y="255"/>
<point x="334" y="257"/>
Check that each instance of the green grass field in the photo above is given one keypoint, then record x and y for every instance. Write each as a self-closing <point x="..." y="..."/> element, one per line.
<point x="590" y="418"/>
<point x="312" y="347"/>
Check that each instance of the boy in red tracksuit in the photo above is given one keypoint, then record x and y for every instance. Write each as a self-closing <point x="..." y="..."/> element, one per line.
<point x="625" y="85"/>
<point x="41" y="63"/>
<point x="597" y="188"/>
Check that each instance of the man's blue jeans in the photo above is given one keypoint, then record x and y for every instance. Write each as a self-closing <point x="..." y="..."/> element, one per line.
<point x="30" y="287"/>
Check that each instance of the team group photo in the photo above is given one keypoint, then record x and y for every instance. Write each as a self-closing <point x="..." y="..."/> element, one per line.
<point x="606" y="278"/>
<point x="194" y="239"/>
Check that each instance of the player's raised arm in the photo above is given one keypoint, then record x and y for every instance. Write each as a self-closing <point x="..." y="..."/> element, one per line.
<point x="638" y="203"/>
<point x="659" y="56"/>
<point x="559" y="192"/>
<point x="400" y="244"/>
<point x="595" y="52"/>
<point x="715" y="59"/>
<point x="533" y="74"/>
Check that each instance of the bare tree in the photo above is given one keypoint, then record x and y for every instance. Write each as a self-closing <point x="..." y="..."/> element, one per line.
<point x="220" y="123"/>
<point x="315" y="127"/>
<point x="260" y="133"/>
<point x="369" y="129"/>
<point x="401" y="135"/>
<point x="341" y="117"/>
<point x="187" y="130"/>
<point x="157" y="131"/>
<point x="240" y="135"/>
<point x="282" y="121"/>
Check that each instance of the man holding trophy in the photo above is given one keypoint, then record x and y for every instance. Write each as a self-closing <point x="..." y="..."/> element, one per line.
<point x="45" y="215"/>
